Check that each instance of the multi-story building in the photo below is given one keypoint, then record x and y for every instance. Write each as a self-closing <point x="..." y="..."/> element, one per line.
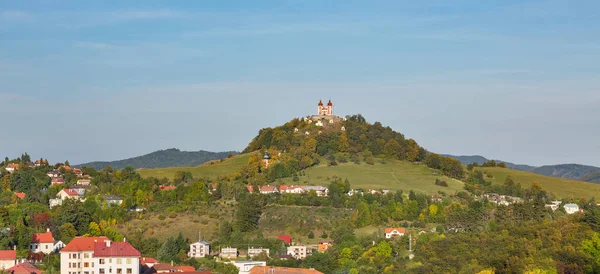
<point x="199" y="249"/>
<point x="298" y="252"/>
<point x="245" y="266"/>
<point x="257" y="251"/>
<point x="99" y="255"/>
<point x="228" y="253"/>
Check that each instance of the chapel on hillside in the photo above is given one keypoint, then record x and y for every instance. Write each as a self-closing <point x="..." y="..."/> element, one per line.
<point x="325" y="110"/>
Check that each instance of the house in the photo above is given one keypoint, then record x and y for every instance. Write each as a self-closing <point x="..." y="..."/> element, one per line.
<point x="320" y="190"/>
<point x="268" y="189"/>
<point x="324" y="245"/>
<point x="436" y="198"/>
<point x="20" y="195"/>
<point x="99" y="255"/>
<point x="83" y="182"/>
<point x="80" y="189"/>
<point x="199" y="249"/>
<point x="68" y="193"/>
<point x="212" y="189"/>
<point x="353" y="192"/>
<point x="394" y="232"/>
<point x="53" y="174"/>
<point x="286" y="238"/>
<point x="11" y="167"/>
<point x="228" y="253"/>
<point x="319" y="123"/>
<point x="57" y="181"/>
<point x="39" y="163"/>
<point x="78" y="172"/>
<point x="24" y="268"/>
<point x="137" y="209"/>
<point x="291" y="189"/>
<point x="169" y="268"/>
<point x="42" y="242"/>
<point x="246" y="266"/>
<point x="282" y="270"/>
<point x="8" y="258"/>
<point x="298" y="251"/>
<point x="571" y="208"/>
<point x="169" y="187"/>
<point x="250" y="188"/>
<point x="148" y="262"/>
<point x="252" y="252"/>
<point x="112" y="199"/>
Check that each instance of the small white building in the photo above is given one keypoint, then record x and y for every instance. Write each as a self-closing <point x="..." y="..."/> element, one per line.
<point x="83" y="182"/>
<point x="42" y="242"/>
<point x="320" y="190"/>
<point x="319" y="123"/>
<point x="8" y="258"/>
<point x="252" y="252"/>
<point x="199" y="249"/>
<point x="228" y="253"/>
<point x="394" y="232"/>
<point x="246" y="266"/>
<point x="112" y="200"/>
<point x="571" y="208"/>
<point x="298" y="252"/>
<point x="10" y="168"/>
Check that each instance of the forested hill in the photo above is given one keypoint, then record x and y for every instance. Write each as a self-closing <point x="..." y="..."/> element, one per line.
<point x="567" y="171"/>
<point x="164" y="158"/>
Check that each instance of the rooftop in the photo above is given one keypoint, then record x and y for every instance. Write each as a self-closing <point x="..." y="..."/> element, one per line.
<point x="115" y="249"/>
<point x="83" y="244"/>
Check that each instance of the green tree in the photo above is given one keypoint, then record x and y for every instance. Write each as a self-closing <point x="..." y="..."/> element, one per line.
<point x="67" y="232"/>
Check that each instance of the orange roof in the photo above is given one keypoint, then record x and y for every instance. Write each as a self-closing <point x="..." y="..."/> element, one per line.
<point x="390" y="229"/>
<point x="171" y="187"/>
<point x="250" y="188"/>
<point x="148" y="260"/>
<point x="268" y="188"/>
<point x="15" y="166"/>
<point x="116" y="249"/>
<point x="42" y="238"/>
<point x="70" y="191"/>
<point x="83" y="244"/>
<point x="184" y="268"/>
<point x="21" y="195"/>
<point x="23" y="268"/>
<point x="282" y="270"/>
<point x="8" y="254"/>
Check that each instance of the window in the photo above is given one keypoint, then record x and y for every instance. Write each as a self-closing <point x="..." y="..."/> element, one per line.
<point x="119" y="261"/>
<point x="119" y="271"/>
<point x="101" y="262"/>
<point x="86" y="265"/>
<point x="46" y="246"/>
<point x="85" y="255"/>
<point x="101" y="271"/>
<point x="129" y="271"/>
<point x="128" y="260"/>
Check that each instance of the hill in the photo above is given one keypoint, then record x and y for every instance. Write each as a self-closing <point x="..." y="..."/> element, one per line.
<point x="209" y="170"/>
<point x="567" y="171"/>
<point x="593" y="177"/>
<point x="163" y="158"/>
<point x="562" y="187"/>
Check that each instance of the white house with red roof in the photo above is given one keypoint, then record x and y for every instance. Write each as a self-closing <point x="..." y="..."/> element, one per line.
<point x="99" y="255"/>
<point x="42" y="242"/>
<point x="8" y="259"/>
<point x="291" y="189"/>
<point x="148" y="262"/>
<point x="394" y="232"/>
<point x="57" y="181"/>
<point x="24" y="268"/>
<point x="11" y="167"/>
<point x="66" y="193"/>
<point x="268" y="189"/>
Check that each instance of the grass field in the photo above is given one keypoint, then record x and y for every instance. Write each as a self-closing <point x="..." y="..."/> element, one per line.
<point x="563" y="188"/>
<point x="392" y="175"/>
<point x="207" y="170"/>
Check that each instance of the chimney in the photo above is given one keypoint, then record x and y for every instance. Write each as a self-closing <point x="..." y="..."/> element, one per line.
<point x="14" y="247"/>
<point x="124" y="239"/>
<point x="107" y="243"/>
<point x="47" y="229"/>
<point x="171" y="263"/>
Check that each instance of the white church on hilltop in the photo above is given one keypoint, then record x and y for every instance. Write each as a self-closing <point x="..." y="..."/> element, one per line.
<point x="325" y="110"/>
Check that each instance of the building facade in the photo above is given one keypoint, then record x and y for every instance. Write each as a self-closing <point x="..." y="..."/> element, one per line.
<point x="298" y="252"/>
<point x="199" y="249"/>
<point x="42" y="242"/>
<point x="252" y="252"/>
<point x="99" y="255"/>
<point x="325" y="110"/>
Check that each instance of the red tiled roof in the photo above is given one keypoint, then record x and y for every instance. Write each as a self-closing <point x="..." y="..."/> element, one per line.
<point x="45" y="237"/>
<point x="116" y="249"/>
<point x="147" y="260"/>
<point x="214" y="186"/>
<point x="285" y="238"/>
<point x="184" y="268"/>
<point x="21" y="195"/>
<point x="167" y="187"/>
<point x="8" y="254"/>
<point x="83" y="244"/>
<point x="15" y="166"/>
<point x="401" y="230"/>
<point x="320" y="103"/>
<point x="58" y="180"/>
<point x="70" y="191"/>
<point x="330" y="103"/>
<point x="282" y="270"/>
<point x="250" y="189"/>
<point x="268" y="188"/>
<point x="24" y="268"/>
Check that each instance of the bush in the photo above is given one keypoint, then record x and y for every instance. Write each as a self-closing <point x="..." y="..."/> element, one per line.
<point x="204" y="222"/>
<point x="311" y="235"/>
<point x="324" y="235"/>
<point x="173" y="215"/>
<point x="439" y="182"/>
<point x="370" y="161"/>
<point x="161" y="217"/>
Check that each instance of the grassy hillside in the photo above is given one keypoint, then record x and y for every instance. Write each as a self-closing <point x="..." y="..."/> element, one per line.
<point x="163" y="158"/>
<point x="207" y="170"/>
<point x="392" y="175"/>
<point x="561" y="187"/>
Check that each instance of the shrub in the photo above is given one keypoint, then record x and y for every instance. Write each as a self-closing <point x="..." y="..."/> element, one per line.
<point x="204" y="222"/>
<point x="161" y="217"/>
<point x="173" y="215"/>
<point x="439" y="182"/>
<point x="311" y="235"/>
<point x="324" y="235"/>
<point x="370" y="161"/>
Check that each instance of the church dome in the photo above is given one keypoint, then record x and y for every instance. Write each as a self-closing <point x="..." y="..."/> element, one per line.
<point x="320" y="103"/>
<point x="330" y="103"/>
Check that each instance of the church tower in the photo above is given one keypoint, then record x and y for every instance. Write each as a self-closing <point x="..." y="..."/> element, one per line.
<point x="323" y="110"/>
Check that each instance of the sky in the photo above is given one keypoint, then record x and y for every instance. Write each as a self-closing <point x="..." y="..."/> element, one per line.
<point x="107" y="80"/>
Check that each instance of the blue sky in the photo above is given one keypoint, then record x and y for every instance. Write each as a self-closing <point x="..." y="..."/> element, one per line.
<point x="513" y="80"/>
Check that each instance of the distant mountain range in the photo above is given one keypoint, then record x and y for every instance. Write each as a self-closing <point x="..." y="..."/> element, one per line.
<point x="164" y="158"/>
<point x="567" y="171"/>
